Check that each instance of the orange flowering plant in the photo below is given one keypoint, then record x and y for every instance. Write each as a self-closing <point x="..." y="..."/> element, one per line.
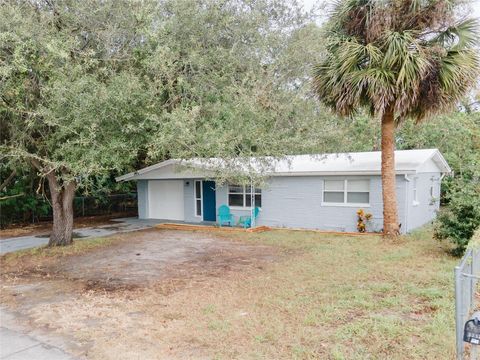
<point x="363" y="219"/>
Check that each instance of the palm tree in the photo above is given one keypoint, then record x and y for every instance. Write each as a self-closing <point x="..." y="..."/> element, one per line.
<point x="400" y="59"/>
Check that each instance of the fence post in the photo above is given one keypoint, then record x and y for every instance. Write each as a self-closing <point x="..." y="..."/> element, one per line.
<point x="458" y="312"/>
<point x="472" y="279"/>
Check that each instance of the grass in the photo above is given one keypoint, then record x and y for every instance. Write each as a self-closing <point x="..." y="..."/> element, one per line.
<point x="347" y="298"/>
<point x="325" y="297"/>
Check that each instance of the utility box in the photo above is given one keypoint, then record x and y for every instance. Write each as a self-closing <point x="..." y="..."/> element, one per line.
<point x="471" y="332"/>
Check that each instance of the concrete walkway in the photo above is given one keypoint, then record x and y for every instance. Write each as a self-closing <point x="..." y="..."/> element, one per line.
<point x="120" y="226"/>
<point x="19" y="343"/>
<point x="17" y="346"/>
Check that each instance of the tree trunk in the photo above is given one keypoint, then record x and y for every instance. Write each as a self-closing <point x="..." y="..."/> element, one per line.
<point x="8" y="180"/>
<point x="62" y="205"/>
<point x="390" y="216"/>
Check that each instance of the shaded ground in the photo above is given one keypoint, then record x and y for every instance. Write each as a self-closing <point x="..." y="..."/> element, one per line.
<point x="273" y="295"/>
<point x="44" y="227"/>
<point x="118" y="225"/>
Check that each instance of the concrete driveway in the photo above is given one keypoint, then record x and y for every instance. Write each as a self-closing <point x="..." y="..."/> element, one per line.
<point x="120" y="225"/>
<point x="18" y="346"/>
<point x="18" y="343"/>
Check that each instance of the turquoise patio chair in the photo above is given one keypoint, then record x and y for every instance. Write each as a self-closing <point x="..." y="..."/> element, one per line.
<point x="246" y="221"/>
<point x="225" y="217"/>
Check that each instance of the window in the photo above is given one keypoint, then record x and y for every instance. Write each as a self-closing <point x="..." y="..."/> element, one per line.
<point x="241" y="196"/>
<point x="346" y="192"/>
<point x="415" y="192"/>
<point x="358" y="191"/>
<point x="334" y="191"/>
<point x="198" y="198"/>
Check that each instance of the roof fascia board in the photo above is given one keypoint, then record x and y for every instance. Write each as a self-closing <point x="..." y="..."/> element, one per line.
<point x="130" y="176"/>
<point x="279" y="174"/>
<point x="436" y="157"/>
<point x="337" y="173"/>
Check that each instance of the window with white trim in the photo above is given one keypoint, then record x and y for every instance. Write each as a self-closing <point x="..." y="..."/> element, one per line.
<point x="241" y="196"/>
<point x="346" y="192"/>
<point x="198" y="198"/>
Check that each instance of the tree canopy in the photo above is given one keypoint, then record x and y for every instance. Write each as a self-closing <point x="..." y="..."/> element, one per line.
<point x="92" y="88"/>
<point x="72" y="103"/>
<point x="417" y="56"/>
<point x="86" y="92"/>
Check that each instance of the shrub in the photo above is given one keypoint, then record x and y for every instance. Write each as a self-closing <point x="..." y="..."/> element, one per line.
<point x="458" y="221"/>
<point x="362" y="220"/>
<point x="475" y="241"/>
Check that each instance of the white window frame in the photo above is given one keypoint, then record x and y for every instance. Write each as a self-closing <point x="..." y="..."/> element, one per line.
<point x="244" y="193"/>
<point x="415" y="201"/>
<point x="195" y="199"/>
<point x="345" y="193"/>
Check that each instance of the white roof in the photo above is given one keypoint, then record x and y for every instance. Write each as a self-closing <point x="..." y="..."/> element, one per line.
<point x="355" y="163"/>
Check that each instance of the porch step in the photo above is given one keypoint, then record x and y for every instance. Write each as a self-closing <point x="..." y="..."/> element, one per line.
<point x="176" y="226"/>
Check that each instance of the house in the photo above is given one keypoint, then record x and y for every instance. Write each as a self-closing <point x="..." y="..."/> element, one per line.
<point x="302" y="191"/>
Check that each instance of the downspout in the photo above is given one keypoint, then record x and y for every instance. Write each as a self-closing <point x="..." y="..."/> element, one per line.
<point x="406" y="203"/>
<point x="252" y="203"/>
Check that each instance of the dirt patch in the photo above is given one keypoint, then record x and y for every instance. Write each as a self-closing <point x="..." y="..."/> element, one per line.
<point x="75" y="235"/>
<point x="114" y="227"/>
<point x="144" y="258"/>
<point x="115" y="288"/>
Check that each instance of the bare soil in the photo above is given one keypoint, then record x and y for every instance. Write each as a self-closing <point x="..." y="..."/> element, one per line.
<point x="143" y="258"/>
<point x="159" y="262"/>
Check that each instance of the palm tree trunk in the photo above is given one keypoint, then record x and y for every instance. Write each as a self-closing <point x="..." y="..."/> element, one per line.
<point x="390" y="216"/>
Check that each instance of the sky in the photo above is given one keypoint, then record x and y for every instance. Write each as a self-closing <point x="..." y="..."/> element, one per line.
<point x="475" y="4"/>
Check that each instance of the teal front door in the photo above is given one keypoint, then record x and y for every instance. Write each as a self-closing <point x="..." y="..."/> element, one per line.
<point x="209" y="201"/>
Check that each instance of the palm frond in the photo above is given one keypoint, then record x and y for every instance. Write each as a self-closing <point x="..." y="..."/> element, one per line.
<point x="460" y="35"/>
<point x="381" y="52"/>
<point x="458" y="71"/>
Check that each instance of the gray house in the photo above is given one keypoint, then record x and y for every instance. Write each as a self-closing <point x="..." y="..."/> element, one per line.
<point x="304" y="191"/>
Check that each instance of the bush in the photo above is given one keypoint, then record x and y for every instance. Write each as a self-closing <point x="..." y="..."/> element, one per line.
<point x="475" y="241"/>
<point x="458" y="221"/>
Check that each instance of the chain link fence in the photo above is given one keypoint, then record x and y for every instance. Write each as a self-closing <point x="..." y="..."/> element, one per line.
<point x="467" y="274"/>
<point x="111" y="204"/>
